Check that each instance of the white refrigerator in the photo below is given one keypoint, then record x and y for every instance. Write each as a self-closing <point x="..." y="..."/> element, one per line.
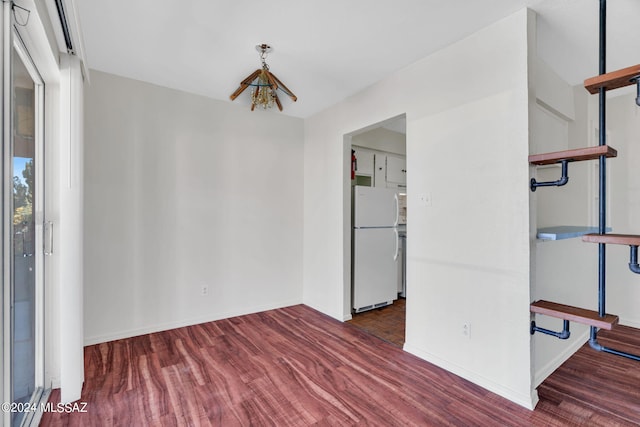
<point x="376" y="216"/>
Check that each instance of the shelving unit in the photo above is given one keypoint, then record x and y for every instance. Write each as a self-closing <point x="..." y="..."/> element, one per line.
<point x="564" y="158"/>
<point x="595" y="319"/>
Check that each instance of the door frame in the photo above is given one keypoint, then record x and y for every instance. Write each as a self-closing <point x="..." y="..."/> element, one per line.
<point x="37" y="211"/>
<point x="26" y="42"/>
<point x="6" y="205"/>
<point x="64" y="73"/>
<point x="347" y="275"/>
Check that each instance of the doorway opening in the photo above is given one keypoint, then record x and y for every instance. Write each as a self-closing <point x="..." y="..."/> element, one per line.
<point x="375" y="287"/>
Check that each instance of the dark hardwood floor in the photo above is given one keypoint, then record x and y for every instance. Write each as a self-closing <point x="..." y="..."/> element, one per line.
<point x="386" y="323"/>
<point x="297" y="367"/>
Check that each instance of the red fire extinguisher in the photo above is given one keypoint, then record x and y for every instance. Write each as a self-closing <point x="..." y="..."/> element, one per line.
<point x="354" y="164"/>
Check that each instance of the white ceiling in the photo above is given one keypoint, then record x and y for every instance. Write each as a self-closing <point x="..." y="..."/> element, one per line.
<point x="327" y="50"/>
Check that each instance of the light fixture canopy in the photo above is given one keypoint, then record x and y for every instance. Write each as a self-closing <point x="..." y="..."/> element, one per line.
<point x="264" y="83"/>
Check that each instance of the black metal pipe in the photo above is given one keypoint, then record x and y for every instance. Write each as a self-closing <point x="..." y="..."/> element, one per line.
<point x="594" y="344"/>
<point x="621" y="353"/>
<point x="562" y="181"/>
<point x="602" y="63"/>
<point x="633" y="259"/>
<point x="602" y="217"/>
<point x="593" y="340"/>
<point x="563" y="335"/>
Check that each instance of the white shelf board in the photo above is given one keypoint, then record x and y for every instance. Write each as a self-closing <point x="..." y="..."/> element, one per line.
<point x="561" y="232"/>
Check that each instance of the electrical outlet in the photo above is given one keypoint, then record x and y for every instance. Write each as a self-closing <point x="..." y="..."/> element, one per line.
<point x="466" y="330"/>
<point x="204" y="290"/>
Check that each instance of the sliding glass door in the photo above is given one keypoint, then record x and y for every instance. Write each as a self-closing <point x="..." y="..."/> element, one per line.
<point x="23" y="291"/>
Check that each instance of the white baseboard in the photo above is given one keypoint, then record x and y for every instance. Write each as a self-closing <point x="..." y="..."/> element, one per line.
<point x="633" y="323"/>
<point x="541" y="374"/>
<point x="184" y="322"/>
<point x="528" y="401"/>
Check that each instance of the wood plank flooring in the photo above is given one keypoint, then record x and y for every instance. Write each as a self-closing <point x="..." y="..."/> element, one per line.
<point x="386" y="323"/>
<point x="297" y="367"/>
<point x="596" y="385"/>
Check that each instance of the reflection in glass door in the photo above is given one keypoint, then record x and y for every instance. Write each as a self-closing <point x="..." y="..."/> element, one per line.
<point x="26" y="208"/>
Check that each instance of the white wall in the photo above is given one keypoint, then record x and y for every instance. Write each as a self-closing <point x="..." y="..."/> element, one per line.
<point x="183" y="192"/>
<point x="468" y="253"/>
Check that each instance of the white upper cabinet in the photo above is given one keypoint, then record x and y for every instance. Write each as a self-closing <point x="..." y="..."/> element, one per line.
<point x="364" y="161"/>
<point x="396" y="173"/>
<point x="379" y="169"/>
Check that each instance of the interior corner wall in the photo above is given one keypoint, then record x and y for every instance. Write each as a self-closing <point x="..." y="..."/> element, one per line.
<point x="193" y="209"/>
<point x="468" y="253"/>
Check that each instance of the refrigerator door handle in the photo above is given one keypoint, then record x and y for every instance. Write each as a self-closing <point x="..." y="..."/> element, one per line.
<point x="395" y="198"/>
<point x="395" y="254"/>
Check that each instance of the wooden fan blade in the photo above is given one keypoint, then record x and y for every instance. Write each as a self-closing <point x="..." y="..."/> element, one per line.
<point x="252" y="76"/>
<point x="245" y="84"/>
<point x="238" y="91"/>
<point x="271" y="79"/>
<point x="284" y="88"/>
<point x="275" y="95"/>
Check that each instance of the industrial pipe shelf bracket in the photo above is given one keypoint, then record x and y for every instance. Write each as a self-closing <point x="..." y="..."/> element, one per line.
<point x="562" y="181"/>
<point x="563" y="335"/>
<point x="633" y="259"/>
<point x="593" y="343"/>
<point x="636" y="80"/>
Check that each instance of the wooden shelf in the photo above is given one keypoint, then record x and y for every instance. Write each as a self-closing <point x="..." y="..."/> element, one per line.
<point x="612" y="80"/>
<point x="580" y="154"/>
<point x="574" y="314"/>
<point x="613" y="239"/>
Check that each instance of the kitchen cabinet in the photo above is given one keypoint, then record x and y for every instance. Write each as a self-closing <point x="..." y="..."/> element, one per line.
<point x="364" y="161"/>
<point x="380" y="169"/>
<point x="396" y="173"/>
<point x="390" y="171"/>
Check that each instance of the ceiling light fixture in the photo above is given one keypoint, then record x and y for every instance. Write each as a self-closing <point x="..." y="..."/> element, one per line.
<point x="264" y="84"/>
